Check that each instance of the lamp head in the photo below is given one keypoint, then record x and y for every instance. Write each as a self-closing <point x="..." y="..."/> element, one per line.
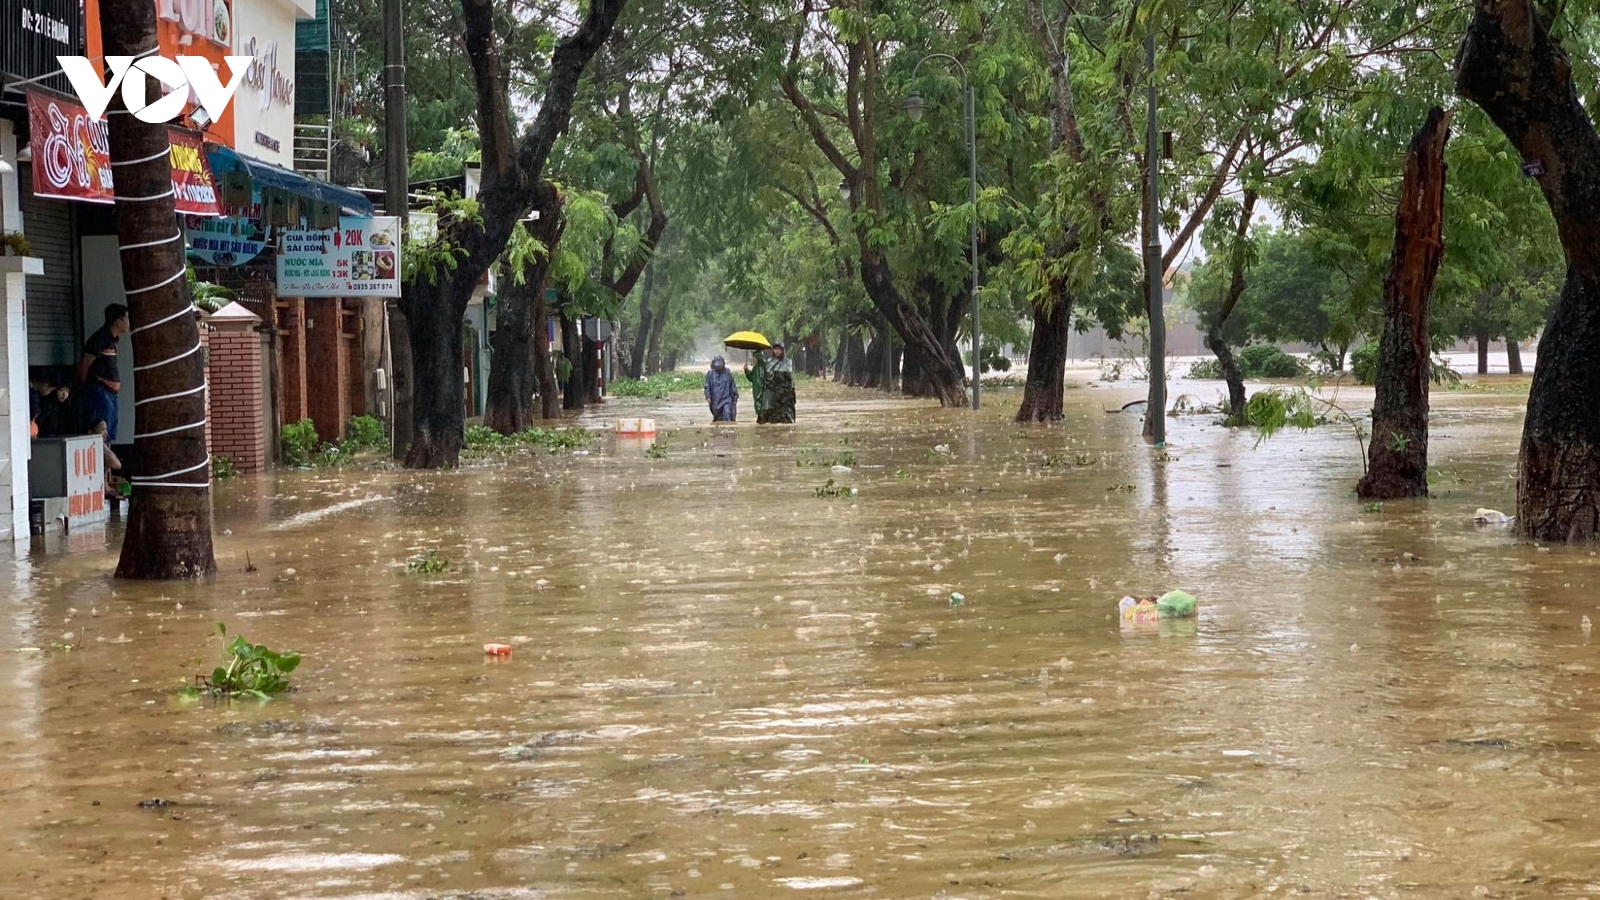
<point x="200" y="118"/>
<point x="915" y="105"/>
<point x="844" y="190"/>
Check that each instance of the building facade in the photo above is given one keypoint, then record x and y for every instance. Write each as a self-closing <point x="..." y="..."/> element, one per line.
<point x="53" y="193"/>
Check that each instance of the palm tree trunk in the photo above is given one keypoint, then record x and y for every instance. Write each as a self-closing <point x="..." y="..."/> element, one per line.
<point x="169" y="519"/>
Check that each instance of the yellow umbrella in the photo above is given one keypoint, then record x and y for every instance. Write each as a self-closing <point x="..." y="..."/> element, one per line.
<point x="748" y="340"/>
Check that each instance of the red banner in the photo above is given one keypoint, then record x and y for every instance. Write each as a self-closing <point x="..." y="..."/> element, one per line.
<point x="194" y="188"/>
<point x="72" y="158"/>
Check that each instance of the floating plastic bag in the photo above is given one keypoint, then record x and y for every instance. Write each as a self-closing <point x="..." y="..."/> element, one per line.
<point x="1171" y="605"/>
<point x="1175" y="605"/>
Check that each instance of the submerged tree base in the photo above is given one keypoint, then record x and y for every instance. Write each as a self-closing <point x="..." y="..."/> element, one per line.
<point x="1398" y="454"/>
<point x="1045" y="391"/>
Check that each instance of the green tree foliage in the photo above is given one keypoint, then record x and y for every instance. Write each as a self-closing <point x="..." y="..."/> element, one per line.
<point x="1294" y="294"/>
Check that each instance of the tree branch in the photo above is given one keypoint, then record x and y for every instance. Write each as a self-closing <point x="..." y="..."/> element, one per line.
<point x="1219" y="180"/>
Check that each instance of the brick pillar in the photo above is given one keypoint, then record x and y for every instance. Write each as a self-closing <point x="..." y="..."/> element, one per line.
<point x="326" y="397"/>
<point x="238" y="429"/>
<point x="292" y="406"/>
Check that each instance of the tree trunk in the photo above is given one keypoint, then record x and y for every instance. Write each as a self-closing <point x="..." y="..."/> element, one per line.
<point x="866" y="364"/>
<point x="1044" y="394"/>
<point x="839" y="357"/>
<point x="543" y="365"/>
<point x="816" y="363"/>
<point x="1510" y="66"/>
<point x="591" y="371"/>
<point x="869" y="362"/>
<point x="169" y="518"/>
<point x="911" y="376"/>
<point x="1483" y="350"/>
<point x="438" y="418"/>
<point x="1231" y="375"/>
<point x="1216" y="342"/>
<point x="944" y="380"/>
<point x="400" y="376"/>
<point x="1513" y="357"/>
<point x="652" y="358"/>
<point x="641" y="339"/>
<point x="572" y="392"/>
<point x="512" y="170"/>
<point x="512" y="373"/>
<point x="1398" y="451"/>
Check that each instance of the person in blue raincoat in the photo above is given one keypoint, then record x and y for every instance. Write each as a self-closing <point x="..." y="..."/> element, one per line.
<point x="722" y="394"/>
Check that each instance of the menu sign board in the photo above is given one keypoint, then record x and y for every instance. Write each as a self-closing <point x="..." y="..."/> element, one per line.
<point x="223" y="240"/>
<point x="359" y="258"/>
<point x="72" y="158"/>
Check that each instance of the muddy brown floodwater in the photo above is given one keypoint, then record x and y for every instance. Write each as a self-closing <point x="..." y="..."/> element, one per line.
<point x="726" y="686"/>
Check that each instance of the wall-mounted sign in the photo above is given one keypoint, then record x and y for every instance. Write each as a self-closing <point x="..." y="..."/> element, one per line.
<point x="223" y="240"/>
<point x="268" y="141"/>
<point x="271" y="84"/>
<point x="209" y="19"/>
<point x="72" y="159"/>
<point x="360" y="257"/>
<point x="34" y="32"/>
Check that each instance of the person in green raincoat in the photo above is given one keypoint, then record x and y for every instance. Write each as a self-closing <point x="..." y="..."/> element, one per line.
<point x="772" y="383"/>
<point x="758" y="393"/>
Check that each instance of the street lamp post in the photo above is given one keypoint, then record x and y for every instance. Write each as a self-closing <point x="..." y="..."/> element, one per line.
<point x="1156" y="411"/>
<point x="914" y="106"/>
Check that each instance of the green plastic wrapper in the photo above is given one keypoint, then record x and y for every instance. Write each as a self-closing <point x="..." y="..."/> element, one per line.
<point x="1175" y="605"/>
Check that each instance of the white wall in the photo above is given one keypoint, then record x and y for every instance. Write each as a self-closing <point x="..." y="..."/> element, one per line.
<point x="102" y="286"/>
<point x="269" y="23"/>
<point x="15" y="441"/>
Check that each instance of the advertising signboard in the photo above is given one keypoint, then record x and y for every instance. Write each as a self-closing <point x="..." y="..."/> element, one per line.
<point x="223" y="240"/>
<point x="72" y="158"/>
<point x="359" y="258"/>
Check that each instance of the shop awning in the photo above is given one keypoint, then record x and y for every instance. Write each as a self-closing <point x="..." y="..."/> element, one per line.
<point x="268" y="175"/>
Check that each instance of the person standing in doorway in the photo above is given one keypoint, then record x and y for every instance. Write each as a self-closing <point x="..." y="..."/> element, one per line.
<point x="98" y="371"/>
<point x="102" y="380"/>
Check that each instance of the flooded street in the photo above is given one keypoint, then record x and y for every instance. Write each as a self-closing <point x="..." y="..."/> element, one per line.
<point x="724" y="685"/>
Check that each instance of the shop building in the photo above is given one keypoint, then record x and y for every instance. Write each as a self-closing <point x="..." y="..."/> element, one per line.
<point x="32" y="34"/>
<point x="304" y="357"/>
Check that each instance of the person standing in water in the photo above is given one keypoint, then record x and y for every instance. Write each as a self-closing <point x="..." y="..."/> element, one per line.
<point x="722" y="394"/>
<point x="758" y="386"/>
<point x="775" y="396"/>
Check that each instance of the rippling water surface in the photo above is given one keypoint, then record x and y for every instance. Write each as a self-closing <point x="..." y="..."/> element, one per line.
<point x="724" y="685"/>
